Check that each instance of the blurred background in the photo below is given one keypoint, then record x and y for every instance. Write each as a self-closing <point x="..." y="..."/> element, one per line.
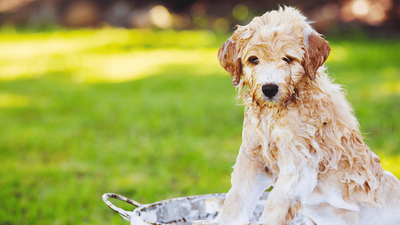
<point x="128" y="97"/>
<point x="331" y="16"/>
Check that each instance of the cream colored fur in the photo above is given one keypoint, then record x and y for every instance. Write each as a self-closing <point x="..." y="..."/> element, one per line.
<point x="304" y="141"/>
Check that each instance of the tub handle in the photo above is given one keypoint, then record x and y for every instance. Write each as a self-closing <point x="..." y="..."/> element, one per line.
<point x="124" y="214"/>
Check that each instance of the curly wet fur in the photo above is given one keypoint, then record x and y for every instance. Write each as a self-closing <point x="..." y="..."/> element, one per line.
<point x="317" y="110"/>
<point x="305" y="141"/>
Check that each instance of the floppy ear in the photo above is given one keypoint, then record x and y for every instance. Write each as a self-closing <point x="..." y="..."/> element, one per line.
<point x="229" y="60"/>
<point x="229" y="53"/>
<point x="317" y="51"/>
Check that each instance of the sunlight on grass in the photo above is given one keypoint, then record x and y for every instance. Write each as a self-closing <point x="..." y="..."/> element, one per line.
<point x="21" y="46"/>
<point x="30" y="45"/>
<point x="87" y="57"/>
<point x="90" y="68"/>
<point x="8" y="100"/>
<point x="139" y="64"/>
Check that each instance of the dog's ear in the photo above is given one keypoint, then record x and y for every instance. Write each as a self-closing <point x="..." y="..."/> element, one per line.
<point x="229" y="60"/>
<point x="229" y="53"/>
<point x="317" y="52"/>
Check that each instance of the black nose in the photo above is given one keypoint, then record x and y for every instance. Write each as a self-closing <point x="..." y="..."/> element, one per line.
<point x="270" y="90"/>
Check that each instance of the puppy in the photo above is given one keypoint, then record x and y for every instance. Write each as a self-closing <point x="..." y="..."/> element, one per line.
<point x="299" y="133"/>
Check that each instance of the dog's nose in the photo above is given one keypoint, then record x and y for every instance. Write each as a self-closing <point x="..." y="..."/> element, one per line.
<point x="270" y="90"/>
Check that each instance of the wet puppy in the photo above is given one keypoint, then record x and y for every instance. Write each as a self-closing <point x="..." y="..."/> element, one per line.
<point x="299" y="134"/>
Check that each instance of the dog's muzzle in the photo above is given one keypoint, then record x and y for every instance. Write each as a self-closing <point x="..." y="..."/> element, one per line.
<point x="270" y="90"/>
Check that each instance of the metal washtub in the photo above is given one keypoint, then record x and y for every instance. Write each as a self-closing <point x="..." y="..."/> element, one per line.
<point x="184" y="210"/>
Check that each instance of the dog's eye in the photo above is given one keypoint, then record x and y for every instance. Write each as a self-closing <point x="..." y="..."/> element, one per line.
<point x="253" y="60"/>
<point x="288" y="59"/>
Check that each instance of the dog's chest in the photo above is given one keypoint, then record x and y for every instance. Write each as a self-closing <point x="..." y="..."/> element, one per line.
<point x="273" y="134"/>
<point x="269" y="125"/>
<point x="275" y="129"/>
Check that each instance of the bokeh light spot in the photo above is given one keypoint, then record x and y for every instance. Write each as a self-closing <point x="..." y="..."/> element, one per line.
<point x="221" y="25"/>
<point x="360" y="7"/>
<point x="181" y="21"/>
<point x="160" y="17"/>
<point x="377" y="15"/>
<point x="240" y="12"/>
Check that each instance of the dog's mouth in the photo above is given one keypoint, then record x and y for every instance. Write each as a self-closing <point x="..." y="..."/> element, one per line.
<point x="270" y="99"/>
<point x="265" y="101"/>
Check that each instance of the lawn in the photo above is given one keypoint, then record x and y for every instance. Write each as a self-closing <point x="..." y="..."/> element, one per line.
<point x="149" y="115"/>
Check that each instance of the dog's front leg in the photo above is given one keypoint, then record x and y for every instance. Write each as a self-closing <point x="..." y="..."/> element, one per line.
<point x="293" y="186"/>
<point x="249" y="180"/>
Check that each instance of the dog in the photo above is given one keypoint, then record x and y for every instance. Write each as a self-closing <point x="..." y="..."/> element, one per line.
<point x="299" y="133"/>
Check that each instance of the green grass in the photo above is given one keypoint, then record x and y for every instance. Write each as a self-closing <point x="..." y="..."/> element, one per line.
<point x="89" y="112"/>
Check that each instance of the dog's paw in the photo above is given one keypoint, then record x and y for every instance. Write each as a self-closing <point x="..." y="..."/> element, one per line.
<point x="204" y="222"/>
<point x="256" y="224"/>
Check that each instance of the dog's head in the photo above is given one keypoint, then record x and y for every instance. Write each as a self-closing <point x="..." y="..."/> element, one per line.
<point x="273" y="54"/>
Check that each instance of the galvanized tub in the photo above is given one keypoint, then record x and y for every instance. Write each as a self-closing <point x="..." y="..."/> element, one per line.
<point x="184" y="210"/>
